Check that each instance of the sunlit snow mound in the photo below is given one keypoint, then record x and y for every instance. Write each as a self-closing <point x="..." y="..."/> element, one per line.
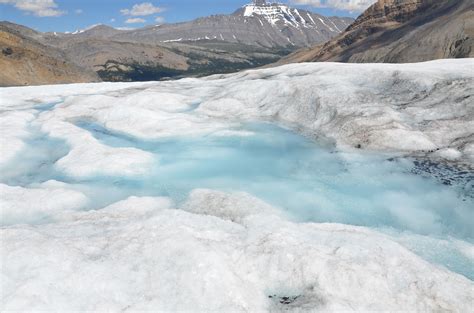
<point x="424" y="108"/>
<point x="220" y="253"/>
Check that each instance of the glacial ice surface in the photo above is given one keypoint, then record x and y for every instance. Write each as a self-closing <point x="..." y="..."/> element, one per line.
<point x="228" y="193"/>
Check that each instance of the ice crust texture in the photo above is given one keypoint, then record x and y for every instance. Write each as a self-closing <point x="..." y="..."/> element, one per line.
<point x="218" y="251"/>
<point x="140" y="255"/>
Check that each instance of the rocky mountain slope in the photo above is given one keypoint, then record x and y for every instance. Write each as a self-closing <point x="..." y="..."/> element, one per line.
<point x="400" y="31"/>
<point x="25" y="61"/>
<point x="116" y="60"/>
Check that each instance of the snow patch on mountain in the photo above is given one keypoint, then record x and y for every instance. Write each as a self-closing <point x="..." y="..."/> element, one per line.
<point x="280" y="13"/>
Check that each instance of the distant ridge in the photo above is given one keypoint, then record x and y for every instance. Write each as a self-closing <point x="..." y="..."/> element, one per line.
<point x="97" y="31"/>
<point x="272" y="25"/>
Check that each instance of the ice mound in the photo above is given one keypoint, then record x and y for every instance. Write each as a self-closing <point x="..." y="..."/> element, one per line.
<point x="87" y="157"/>
<point x="13" y="130"/>
<point x="21" y="205"/>
<point x="131" y="207"/>
<point x="410" y="108"/>
<point x="154" y="115"/>
<point x="173" y="260"/>
<point x="234" y="207"/>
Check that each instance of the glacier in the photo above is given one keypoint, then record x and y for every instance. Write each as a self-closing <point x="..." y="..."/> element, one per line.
<point x="329" y="187"/>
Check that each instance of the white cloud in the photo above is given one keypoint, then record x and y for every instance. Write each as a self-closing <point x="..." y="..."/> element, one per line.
<point x="142" y="9"/>
<point x="160" y="19"/>
<point x="112" y="20"/>
<point x="348" y="5"/>
<point x="135" y="21"/>
<point x="41" y="8"/>
<point x="78" y="11"/>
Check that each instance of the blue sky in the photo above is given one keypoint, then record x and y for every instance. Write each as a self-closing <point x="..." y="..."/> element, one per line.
<point x="70" y="15"/>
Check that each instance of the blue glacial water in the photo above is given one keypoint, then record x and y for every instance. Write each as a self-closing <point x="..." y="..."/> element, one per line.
<point x="311" y="182"/>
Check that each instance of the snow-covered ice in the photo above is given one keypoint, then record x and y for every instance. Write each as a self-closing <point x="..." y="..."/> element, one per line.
<point x="328" y="187"/>
<point x="13" y="128"/>
<point x="159" y="259"/>
<point x="17" y="203"/>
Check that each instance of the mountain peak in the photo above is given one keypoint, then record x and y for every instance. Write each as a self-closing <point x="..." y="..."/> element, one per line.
<point x="278" y="13"/>
<point x="97" y="30"/>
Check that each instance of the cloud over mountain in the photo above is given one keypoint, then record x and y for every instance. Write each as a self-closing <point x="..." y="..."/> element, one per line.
<point x="142" y="9"/>
<point x="135" y="21"/>
<point x="41" y="8"/>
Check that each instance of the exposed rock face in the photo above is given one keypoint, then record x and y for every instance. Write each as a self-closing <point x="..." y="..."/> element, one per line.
<point x="25" y="61"/>
<point x="401" y="31"/>
<point x="385" y="11"/>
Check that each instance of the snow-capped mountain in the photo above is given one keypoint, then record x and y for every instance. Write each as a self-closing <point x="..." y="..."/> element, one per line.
<point x="258" y="23"/>
<point x="277" y="13"/>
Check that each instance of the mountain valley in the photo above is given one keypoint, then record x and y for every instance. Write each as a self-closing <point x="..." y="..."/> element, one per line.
<point x="254" y="35"/>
